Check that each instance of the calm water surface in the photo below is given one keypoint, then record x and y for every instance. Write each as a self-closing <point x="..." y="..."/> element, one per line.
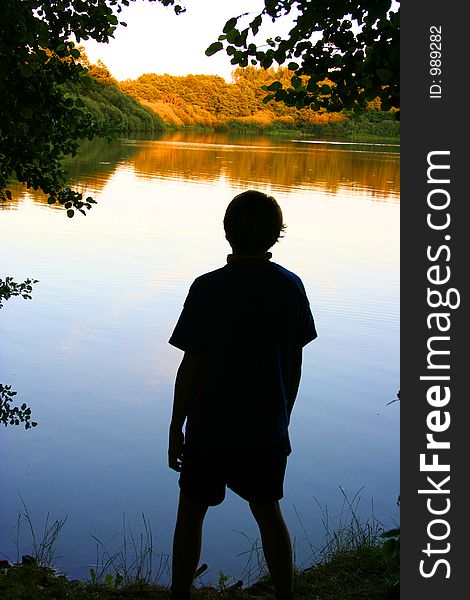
<point x="90" y="355"/>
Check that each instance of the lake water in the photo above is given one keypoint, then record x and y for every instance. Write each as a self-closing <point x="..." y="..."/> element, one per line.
<point x="89" y="353"/>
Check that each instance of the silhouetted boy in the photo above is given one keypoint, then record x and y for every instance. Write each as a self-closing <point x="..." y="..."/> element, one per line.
<point x="242" y="330"/>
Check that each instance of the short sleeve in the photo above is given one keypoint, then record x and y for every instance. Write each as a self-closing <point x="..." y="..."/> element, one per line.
<point x="306" y="331"/>
<point x="188" y="333"/>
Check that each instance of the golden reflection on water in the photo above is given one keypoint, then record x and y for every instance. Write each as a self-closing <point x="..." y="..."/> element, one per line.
<point x="351" y="169"/>
<point x="286" y="166"/>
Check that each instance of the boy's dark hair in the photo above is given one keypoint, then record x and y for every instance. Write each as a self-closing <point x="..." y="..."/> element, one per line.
<point x="253" y="222"/>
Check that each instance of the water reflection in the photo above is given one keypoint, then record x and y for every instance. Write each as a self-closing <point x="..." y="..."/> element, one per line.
<point x="89" y="353"/>
<point x="288" y="165"/>
<point x="292" y="164"/>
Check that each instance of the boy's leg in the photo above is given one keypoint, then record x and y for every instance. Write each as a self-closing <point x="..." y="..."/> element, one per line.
<point x="187" y="541"/>
<point x="277" y="546"/>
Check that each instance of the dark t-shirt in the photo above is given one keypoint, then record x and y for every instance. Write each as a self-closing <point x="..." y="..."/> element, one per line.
<point x="244" y="319"/>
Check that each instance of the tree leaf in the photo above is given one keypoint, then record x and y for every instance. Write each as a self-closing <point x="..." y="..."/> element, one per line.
<point x="26" y="70"/>
<point x="230" y="24"/>
<point x="255" y="24"/>
<point x="213" y="48"/>
<point x="296" y="82"/>
<point x="384" y="74"/>
<point x="266" y="62"/>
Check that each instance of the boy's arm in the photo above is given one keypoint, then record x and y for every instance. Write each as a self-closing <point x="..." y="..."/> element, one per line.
<point x="187" y="382"/>
<point x="294" y="378"/>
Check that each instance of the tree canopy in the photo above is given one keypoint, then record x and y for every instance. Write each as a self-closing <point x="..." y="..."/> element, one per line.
<point x="355" y="44"/>
<point x="209" y="101"/>
<point x="40" y="120"/>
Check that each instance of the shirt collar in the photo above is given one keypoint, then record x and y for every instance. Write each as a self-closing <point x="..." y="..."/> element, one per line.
<point x="249" y="259"/>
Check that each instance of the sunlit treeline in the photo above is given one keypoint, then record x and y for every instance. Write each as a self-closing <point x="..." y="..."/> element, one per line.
<point x="110" y="107"/>
<point x="209" y="101"/>
<point x="153" y="103"/>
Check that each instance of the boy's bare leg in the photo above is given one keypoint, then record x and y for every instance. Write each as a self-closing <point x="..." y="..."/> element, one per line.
<point x="277" y="546"/>
<point x="187" y="542"/>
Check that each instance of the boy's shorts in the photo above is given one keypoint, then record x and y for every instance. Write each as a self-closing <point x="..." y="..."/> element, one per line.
<point x="255" y="474"/>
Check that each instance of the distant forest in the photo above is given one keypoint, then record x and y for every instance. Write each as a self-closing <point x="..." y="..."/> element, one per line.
<point x="154" y="103"/>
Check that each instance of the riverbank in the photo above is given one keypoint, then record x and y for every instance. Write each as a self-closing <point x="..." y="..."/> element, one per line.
<point x="360" y="574"/>
<point x="358" y="562"/>
<point x="368" y="127"/>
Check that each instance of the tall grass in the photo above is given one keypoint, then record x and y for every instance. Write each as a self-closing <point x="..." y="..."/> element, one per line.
<point x="255" y="567"/>
<point x="348" y="532"/>
<point x="344" y="533"/>
<point x="135" y="563"/>
<point x="348" y="564"/>
<point x="43" y="546"/>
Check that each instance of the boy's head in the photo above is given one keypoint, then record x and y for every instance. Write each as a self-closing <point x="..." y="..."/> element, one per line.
<point x="253" y="222"/>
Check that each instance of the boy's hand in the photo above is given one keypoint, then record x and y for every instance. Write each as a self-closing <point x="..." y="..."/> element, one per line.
<point x="175" y="449"/>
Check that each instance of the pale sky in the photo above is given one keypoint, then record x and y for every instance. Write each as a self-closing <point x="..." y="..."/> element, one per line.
<point x="158" y="41"/>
